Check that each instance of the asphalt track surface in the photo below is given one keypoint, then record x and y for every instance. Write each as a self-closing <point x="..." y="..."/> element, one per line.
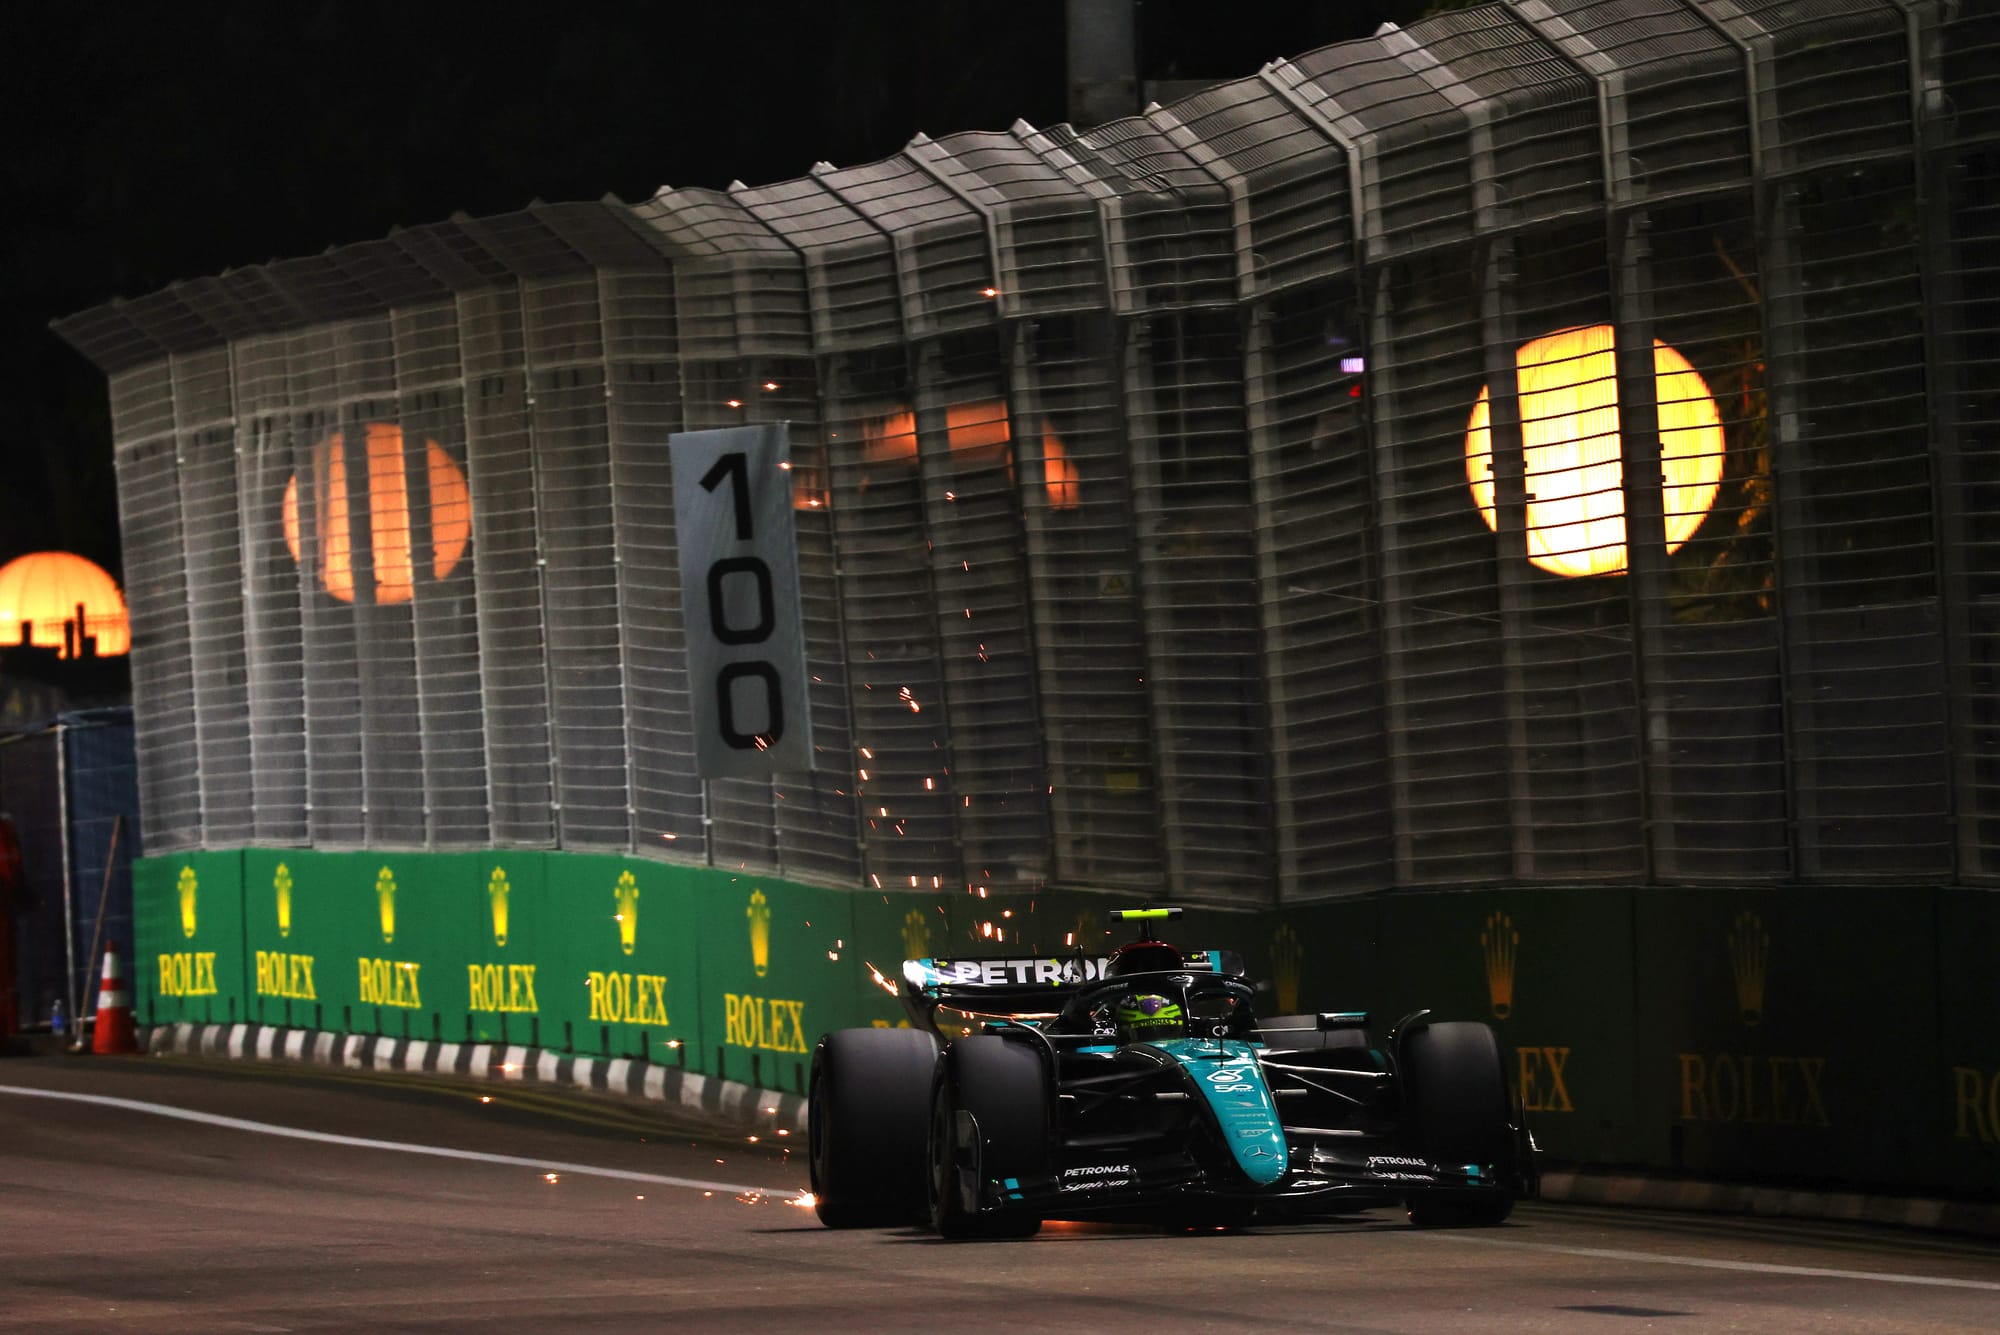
<point x="276" y="1201"/>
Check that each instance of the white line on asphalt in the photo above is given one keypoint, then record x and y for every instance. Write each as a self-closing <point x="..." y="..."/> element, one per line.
<point x="1706" y="1263"/>
<point x="362" y="1142"/>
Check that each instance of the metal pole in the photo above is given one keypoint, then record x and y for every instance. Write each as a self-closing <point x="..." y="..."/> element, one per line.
<point x="97" y="932"/>
<point x="1102" y="44"/>
<point x="70" y="994"/>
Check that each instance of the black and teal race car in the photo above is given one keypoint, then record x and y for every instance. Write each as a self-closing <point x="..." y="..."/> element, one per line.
<point x="1144" y="1086"/>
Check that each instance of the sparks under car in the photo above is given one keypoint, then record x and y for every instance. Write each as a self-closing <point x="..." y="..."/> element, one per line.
<point x="1145" y="1087"/>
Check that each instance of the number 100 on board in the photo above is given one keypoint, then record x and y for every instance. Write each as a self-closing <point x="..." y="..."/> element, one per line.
<point x="740" y="600"/>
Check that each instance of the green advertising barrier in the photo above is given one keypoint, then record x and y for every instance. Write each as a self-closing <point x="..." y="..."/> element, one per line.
<point x="1965" y="1138"/>
<point x="410" y="923"/>
<point x="299" y="938"/>
<point x="188" y="954"/>
<point x="593" y="954"/>
<point x="1319" y="957"/>
<point x="358" y="942"/>
<point x="1822" y="1034"/>
<point x="154" y="917"/>
<point x="502" y="981"/>
<point x="1788" y="1033"/>
<point x="778" y="968"/>
<point x="503" y="947"/>
<point x="622" y="978"/>
<point x="1550" y="970"/>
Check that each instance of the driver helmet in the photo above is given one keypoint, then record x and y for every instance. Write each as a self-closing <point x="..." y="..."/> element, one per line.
<point x="1146" y="1016"/>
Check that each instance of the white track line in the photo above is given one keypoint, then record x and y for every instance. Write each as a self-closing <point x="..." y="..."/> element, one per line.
<point x="1706" y="1263"/>
<point x="400" y="1147"/>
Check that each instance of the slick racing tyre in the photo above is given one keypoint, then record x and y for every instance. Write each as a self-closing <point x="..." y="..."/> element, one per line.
<point x="866" y="1120"/>
<point x="1455" y="1091"/>
<point x="989" y="1121"/>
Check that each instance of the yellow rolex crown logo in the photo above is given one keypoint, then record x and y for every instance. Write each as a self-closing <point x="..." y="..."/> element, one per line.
<point x="759" y="914"/>
<point x="626" y="892"/>
<point x="1287" y="954"/>
<point x="385" y="898"/>
<point x="282" y="883"/>
<point x="916" y="935"/>
<point x="1500" y="941"/>
<point x="497" y="891"/>
<point x="1749" y="957"/>
<point x="187" y="886"/>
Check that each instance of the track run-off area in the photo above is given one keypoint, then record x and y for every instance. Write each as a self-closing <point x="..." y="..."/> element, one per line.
<point x="151" y="1194"/>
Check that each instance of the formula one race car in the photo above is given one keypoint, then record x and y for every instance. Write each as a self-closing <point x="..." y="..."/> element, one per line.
<point x="1144" y="1087"/>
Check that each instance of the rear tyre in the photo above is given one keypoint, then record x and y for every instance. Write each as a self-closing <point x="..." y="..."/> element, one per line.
<point x="989" y="1121"/>
<point x="1457" y="1100"/>
<point x="866" y="1120"/>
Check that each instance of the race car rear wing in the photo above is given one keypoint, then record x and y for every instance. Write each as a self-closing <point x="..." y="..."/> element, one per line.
<point x="1019" y="987"/>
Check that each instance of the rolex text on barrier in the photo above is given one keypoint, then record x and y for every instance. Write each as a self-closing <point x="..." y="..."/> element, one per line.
<point x="779" y="966"/>
<point x="285" y="925"/>
<point x="620" y="974"/>
<point x="740" y="599"/>
<point x="620" y="996"/>
<point x="188" y="924"/>
<point x="1708" y="1031"/>
<point x="501" y="919"/>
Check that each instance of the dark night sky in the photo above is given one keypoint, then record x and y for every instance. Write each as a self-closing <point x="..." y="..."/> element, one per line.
<point x="152" y="142"/>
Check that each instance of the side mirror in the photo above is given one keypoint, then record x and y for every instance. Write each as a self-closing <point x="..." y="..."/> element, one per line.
<point x="1343" y="1020"/>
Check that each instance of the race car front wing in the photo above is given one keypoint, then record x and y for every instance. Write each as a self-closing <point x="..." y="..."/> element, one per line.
<point x="1316" y="1182"/>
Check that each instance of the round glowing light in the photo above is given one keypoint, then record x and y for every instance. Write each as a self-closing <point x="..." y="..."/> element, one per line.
<point x="42" y="590"/>
<point x="1568" y="387"/>
<point x="979" y="437"/>
<point x="388" y="515"/>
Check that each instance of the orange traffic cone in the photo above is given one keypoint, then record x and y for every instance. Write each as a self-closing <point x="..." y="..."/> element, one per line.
<point x="114" y="1032"/>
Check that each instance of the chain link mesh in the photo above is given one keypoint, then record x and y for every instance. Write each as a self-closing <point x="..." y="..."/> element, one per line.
<point x="1550" y="442"/>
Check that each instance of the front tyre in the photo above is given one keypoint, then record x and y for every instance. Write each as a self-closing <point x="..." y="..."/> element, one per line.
<point x="989" y="1122"/>
<point x="866" y="1120"/>
<point x="1457" y="1100"/>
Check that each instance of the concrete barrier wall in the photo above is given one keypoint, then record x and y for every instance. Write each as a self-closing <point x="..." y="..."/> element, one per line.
<point x="1811" y="1036"/>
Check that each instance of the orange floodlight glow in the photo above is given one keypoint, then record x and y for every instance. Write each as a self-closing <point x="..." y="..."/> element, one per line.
<point x="388" y="514"/>
<point x="1574" y="455"/>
